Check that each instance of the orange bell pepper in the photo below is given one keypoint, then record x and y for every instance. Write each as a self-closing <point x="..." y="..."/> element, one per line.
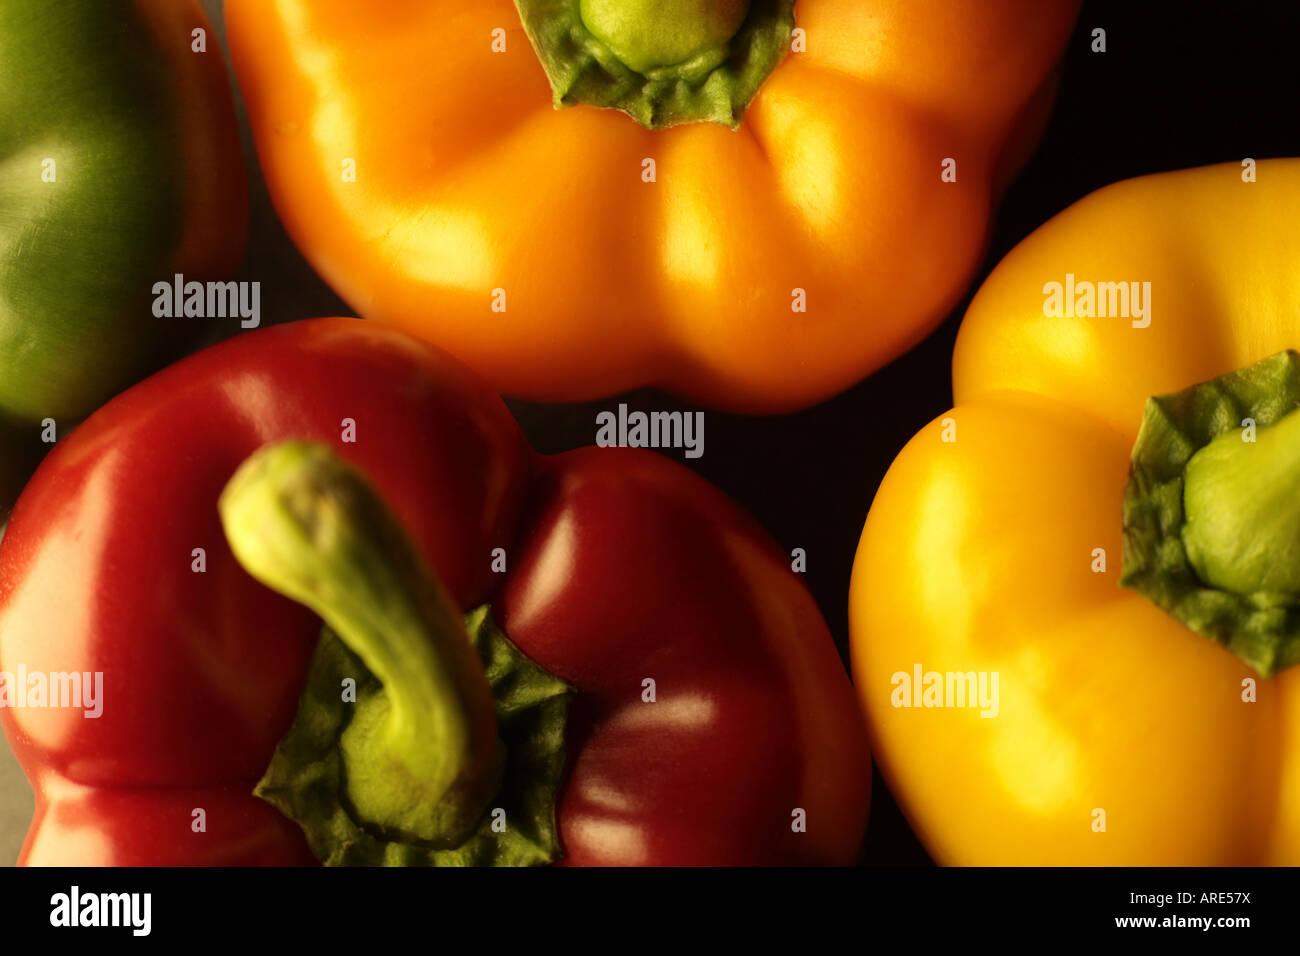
<point x="797" y="238"/>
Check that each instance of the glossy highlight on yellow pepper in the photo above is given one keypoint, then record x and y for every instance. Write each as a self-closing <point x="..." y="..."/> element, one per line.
<point x="994" y="546"/>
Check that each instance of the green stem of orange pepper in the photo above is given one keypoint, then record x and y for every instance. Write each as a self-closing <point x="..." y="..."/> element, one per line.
<point x="663" y="62"/>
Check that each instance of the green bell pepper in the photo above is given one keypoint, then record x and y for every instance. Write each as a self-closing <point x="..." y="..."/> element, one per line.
<point x="120" y="166"/>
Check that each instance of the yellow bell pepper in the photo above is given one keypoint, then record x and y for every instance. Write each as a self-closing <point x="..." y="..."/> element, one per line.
<point x="1024" y="707"/>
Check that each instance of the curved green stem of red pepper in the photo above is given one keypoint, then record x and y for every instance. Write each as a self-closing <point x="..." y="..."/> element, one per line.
<point x="424" y="758"/>
<point x="419" y="740"/>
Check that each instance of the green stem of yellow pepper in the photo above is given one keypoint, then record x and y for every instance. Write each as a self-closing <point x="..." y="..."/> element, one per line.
<point x="1241" y="501"/>
<point x="1212" y="510"/>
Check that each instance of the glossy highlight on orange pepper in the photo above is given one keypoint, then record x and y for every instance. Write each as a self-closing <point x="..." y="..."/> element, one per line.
<point x="415" y="156"/>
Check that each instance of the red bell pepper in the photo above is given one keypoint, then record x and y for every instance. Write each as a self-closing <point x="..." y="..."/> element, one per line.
<point x="616" y="568"/>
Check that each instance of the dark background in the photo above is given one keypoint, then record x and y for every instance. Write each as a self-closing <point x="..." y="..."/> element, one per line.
<point x="1180" y="85"/>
